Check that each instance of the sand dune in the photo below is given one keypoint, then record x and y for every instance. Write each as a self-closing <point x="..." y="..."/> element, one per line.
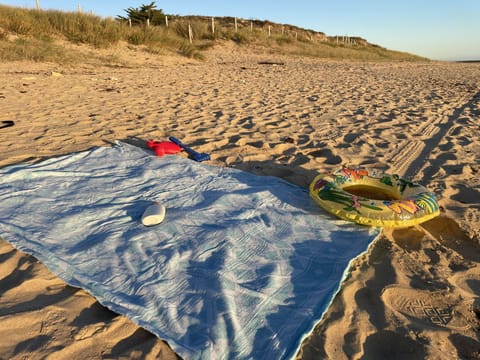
<point x="414" y="295"/>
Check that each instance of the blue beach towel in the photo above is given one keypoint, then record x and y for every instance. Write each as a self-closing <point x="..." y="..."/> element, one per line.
<point x="242" y="267"/>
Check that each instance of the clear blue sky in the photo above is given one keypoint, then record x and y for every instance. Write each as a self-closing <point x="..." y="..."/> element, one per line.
<point x="437" y="29"/>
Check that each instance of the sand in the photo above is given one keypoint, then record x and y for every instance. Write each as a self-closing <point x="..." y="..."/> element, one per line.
<point x="414" y="295"/>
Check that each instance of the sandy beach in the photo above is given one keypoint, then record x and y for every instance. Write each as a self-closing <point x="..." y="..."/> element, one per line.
<point x="414" y="295"/>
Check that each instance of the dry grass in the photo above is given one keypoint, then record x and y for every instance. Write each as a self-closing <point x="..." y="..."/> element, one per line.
<point x="28" y="34"/>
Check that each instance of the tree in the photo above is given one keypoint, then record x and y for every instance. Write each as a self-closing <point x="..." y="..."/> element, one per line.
<point x="143" y="13"/>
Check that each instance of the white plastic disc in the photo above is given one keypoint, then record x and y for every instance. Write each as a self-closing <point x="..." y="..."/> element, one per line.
<point x="153" y="215"/>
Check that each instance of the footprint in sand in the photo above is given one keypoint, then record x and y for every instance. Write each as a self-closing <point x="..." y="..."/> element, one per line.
<point x="436" y="308"/>
<point x="468" y="283"/>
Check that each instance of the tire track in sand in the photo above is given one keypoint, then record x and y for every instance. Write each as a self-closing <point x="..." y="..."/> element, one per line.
<point x="412" y="155"/>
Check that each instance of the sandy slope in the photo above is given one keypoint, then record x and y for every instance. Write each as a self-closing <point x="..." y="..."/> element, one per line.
<point x="415" y="295"/>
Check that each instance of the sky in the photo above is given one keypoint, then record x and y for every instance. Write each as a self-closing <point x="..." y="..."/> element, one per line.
<point x="436" y="29"/>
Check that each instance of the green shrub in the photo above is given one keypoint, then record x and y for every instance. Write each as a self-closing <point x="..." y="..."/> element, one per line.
<point x="191" y="51"/>
<point x="240" y="37"/>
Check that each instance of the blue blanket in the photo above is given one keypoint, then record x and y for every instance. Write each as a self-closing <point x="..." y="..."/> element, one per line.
<point x="242" y="267"/>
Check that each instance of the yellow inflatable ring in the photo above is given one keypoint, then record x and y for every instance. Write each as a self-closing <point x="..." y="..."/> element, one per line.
<point x="369" y="197"/>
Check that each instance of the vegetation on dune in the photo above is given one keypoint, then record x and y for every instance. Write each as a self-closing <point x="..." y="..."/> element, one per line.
<point x="30" y="34"/>
<point x="143" y="14"/>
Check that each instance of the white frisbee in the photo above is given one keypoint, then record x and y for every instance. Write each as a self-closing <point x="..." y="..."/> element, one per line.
<point x="153" y="215"/>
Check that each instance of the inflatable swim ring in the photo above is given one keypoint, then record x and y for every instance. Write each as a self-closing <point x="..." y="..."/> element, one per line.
<point x="373" y="198"/>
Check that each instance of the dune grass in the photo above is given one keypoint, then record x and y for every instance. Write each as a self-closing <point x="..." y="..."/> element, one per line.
<point x="30" y="34"/>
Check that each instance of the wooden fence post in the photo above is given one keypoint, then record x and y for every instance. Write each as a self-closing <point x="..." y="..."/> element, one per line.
<point x="236" y="26"/>
<point x="269" y="30"/>
<point x="251" y="26"/>
<point x="213" y="26"/>
<point x="190" y="33"/>
<point x="166" y="20"/>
